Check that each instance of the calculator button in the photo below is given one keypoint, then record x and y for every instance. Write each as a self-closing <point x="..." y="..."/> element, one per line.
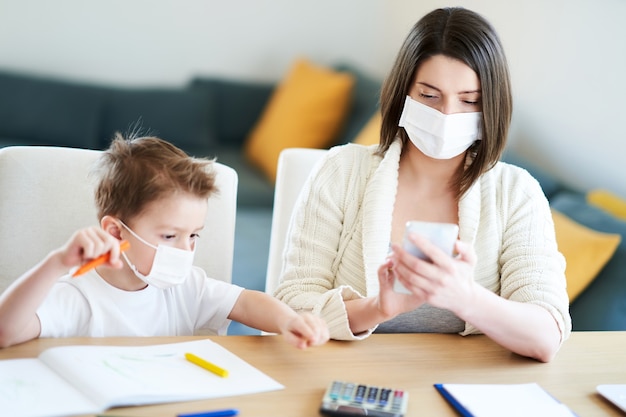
<point x="335" y="390"/>
<point x="371" y="394"/>
<point x="360" y="393"/>
<point x="384" y="396"/>
<point x="397" y="399"/>
<point x="348" y="389"/>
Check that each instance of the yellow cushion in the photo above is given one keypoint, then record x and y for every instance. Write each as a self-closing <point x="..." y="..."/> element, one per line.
<point x="585" y="250"/>
<point x="370" y="134"/>
<point x="306" y="110"/>
<point x="608" y="202"/>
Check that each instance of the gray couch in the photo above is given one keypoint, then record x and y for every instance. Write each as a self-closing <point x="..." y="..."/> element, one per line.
<point x="212" y="117"/>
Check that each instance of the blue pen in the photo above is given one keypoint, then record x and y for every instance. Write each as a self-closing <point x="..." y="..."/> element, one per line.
<point x="217" y="413"/>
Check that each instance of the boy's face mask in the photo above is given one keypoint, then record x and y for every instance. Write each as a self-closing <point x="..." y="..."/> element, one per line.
<point x="438" y="135"/>
<point x="170" y="267"/>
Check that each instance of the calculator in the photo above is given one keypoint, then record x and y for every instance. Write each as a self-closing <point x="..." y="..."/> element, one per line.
<point x="348" y="399"/>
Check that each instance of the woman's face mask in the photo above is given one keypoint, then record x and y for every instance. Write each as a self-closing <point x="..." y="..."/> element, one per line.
<point x="170" y="267"/>
<point x="438" y="135"/>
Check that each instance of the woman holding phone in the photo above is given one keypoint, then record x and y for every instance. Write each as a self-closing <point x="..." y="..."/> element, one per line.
<point x="446" y="108"/>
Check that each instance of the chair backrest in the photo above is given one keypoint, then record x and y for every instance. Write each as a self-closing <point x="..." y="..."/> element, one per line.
<point x="46" y="193"/>
<point x="294" y="167"/>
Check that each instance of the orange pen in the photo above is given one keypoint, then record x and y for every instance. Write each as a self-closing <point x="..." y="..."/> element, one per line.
<point x="124" y="244"/>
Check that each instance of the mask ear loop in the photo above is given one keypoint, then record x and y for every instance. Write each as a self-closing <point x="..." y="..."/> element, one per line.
<point x="128" y="262"/>
<point x="131" y="265"/>
<point x="137" y="236"/>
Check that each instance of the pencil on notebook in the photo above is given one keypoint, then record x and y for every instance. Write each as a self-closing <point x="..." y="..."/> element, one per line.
<point x="99" y="260"/>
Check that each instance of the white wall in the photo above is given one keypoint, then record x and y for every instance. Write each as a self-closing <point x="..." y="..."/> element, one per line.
<point x="168" y="41"/>
<point x="567" y="58"/>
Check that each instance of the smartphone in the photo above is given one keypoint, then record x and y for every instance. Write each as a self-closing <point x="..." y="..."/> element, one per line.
<point x="443" y="235"/>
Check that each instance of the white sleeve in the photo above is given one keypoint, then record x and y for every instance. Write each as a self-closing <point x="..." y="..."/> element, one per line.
<point x="215" y="300"/>
<point x="65" y="312"/>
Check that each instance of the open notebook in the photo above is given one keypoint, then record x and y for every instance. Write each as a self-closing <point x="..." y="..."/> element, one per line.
<point x="71" y="380"/>
<point x="498" y="400"/>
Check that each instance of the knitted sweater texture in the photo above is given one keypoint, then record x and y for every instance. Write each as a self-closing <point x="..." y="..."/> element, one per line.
<point x="341" y="226"/>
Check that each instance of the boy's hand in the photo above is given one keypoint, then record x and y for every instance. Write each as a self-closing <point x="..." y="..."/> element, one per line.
<point x="87" y="244"/>
<point x="304" y="330"/>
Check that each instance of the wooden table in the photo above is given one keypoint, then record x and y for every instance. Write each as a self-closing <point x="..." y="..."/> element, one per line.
<point x="413" y="362"/>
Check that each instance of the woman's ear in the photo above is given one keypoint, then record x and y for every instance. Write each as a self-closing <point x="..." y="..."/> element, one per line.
<point x="111" y="225"/>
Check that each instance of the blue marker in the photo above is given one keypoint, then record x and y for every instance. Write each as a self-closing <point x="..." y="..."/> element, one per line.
<point x="217" y="413"/>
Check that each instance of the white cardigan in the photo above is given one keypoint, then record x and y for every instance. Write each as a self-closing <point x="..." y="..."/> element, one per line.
<point x="341" y="226"/>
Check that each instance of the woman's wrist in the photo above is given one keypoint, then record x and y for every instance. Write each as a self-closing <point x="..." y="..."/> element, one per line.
<point x="381" y="314"/>
<point x="478" y="298"/>
<point x="365" y="313"/>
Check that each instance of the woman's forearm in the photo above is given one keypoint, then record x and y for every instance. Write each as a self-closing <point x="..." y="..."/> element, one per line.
<point x="524" y="328"/>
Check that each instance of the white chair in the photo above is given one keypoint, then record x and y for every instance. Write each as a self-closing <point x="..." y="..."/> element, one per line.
<point x="294" y="167"/>
<point x="46" y="193"/>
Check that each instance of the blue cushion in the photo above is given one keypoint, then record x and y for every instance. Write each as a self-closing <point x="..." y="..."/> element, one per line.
<point x="602" y="305"/>
<point x="548" y="182"/>
<point x="253" y="189"/>
<point x="180" y="116"/>
<point x="365" y="98"/>
<point x="39" y="111"/>
<point x="238" y="106"/>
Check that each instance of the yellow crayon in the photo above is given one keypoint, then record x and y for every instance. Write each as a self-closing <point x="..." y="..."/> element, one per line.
<point x="206" y="365"/>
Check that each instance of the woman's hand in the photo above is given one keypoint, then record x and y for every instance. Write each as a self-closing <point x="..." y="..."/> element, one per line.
<point x="445" y="282"/>
<point x="389" y="302"/>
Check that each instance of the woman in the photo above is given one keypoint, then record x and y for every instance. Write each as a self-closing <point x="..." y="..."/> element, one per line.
<point x="446" y="108"/>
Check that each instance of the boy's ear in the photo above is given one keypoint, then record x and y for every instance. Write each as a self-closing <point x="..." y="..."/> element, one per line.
<point x="110" y="224"/>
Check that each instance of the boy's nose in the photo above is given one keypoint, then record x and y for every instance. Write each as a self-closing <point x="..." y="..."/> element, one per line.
<point x="187" y="245"/>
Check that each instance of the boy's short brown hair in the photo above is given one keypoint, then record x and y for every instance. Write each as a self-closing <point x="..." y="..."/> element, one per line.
<point x="135" y="172"/>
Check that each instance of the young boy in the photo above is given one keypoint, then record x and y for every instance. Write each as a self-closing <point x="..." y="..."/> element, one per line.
<point x="154" y="196"/>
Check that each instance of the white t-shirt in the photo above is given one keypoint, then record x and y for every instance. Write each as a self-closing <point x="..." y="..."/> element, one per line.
<point x="89" y="306"/>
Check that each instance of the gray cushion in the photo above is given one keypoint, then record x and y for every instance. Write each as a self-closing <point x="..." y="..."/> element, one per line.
<point x="238" y="105"/>
<point x="180" y="116"/>
<point x="254" y="190"/>
<point x="548" y="182"/>
<point x="40" y="111"/>
<point x="365" y="99"/>
<point x="602" y="305"/>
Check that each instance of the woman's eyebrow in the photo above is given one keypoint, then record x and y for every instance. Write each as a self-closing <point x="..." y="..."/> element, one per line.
<point x="470" y="92"/>
<point x="428" y="85"/>
<point x="437" y="89"/>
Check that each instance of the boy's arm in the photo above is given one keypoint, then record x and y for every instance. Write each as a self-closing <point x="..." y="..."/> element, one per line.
<point x="20" y="301"/>
<point x="261" y="311"/>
